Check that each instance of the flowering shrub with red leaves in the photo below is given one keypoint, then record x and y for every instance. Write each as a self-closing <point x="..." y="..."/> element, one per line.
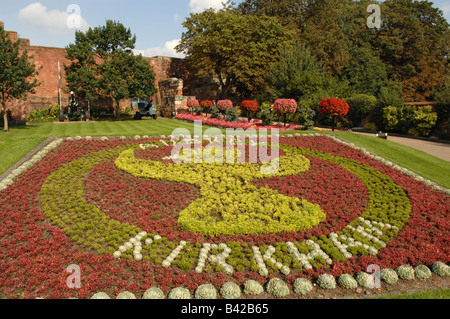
<point x="206" y="104"/>
<point x="333" y="107"/>
<point x="224" y="105"/>
<point x="249" y="105"/>
<point x="285" y="106"/>
<point x="193" y="104"/>
<point x="35" y="251"/>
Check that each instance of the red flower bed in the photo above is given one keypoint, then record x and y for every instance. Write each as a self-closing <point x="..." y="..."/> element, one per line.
<point x="34" y="253"/>
<point x="241" y="124"/>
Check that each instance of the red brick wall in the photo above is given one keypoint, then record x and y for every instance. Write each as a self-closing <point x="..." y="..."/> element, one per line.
<point x="47" y="92"/>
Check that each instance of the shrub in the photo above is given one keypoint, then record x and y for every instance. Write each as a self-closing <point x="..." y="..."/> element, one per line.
<point x="252" y="287"/>
<point x="49" y="113"/>
<point x="334" y="108"/>
<point x="365" y="280"/>
<point x="306" y="116"/>
<point x="179" y="293"/>
<point x="126" y="295"/>
<point x="347" y="281"/>
<point x="100" y="295"/>
<point x="389" y="276"/>
<point x="193" y="104"/>
<point x="405" y="272"/>
<point x="231" y="115"/>
<point x="230" y="290"/>
<point x="302" y="286"/>
<point x="206" y="291"/>
<point x="224" y="105"/>
<point x="440" y="269"/>
<point x="249" y="106"/>
<point x="285" y="107"/>
<point x="360" y="106"/>
<point x="409" y="119"/>
<point x="370" y="126"/>
<point x="206" y="105"/>
<point x="153" y="293"/>
<point x="267" y="117"/>
<point x="215" y="113"/>
<point x="422" y="272"/>
<point x="326" y="281"/>
<point x="277" y="287"/>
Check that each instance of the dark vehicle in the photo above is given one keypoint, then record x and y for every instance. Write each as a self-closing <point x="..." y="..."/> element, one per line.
<point x="146" y="109"/>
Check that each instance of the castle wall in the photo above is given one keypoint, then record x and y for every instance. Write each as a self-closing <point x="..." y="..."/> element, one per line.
<point x="46" y="60"/>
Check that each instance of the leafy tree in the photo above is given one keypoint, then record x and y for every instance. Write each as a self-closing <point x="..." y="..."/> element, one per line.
<point x="296" y="74"/>
<point x="104" y="66"/>
<point x="290" y="13"/>
<point x="17" y="73"/>
<point x="413" y="42"/>
<point x="333" y="107"/>
<point x="365" y="71"/>
<point x="236" y="49"/>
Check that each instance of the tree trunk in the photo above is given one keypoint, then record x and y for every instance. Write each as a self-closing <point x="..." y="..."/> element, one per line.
<point x="333" y="118"/>
<point x="5" y="119"/>
<point x="117" y="110"/>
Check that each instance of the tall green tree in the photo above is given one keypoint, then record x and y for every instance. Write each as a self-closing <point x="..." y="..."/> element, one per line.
<point x="297" y="74"/>
<point x="104" y="65"/>
<point x="236" y="49"/>
<point x="17" y="73"/>
<point x="413" y="42"/>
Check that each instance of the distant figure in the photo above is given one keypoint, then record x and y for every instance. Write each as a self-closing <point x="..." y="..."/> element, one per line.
<point x="73" y="104"/>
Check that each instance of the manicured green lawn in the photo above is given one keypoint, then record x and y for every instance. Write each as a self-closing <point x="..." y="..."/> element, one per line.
<point x="19" y="141"/>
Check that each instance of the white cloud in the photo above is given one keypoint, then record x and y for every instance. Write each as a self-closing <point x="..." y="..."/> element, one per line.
<point x="53" y="21"/>
<point x="167" y="50"/>
<point x="198" y="6"/>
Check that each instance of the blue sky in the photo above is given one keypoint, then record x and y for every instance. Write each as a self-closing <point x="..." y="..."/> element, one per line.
<point x="156" y="23"/>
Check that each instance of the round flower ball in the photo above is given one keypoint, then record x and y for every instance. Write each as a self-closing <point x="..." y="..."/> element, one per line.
<point x="347" y="281"/>
<point x="333" y="107"/>
<point x="100" y="295"/>
<point x="422" y="272"/>
<point x="365" y="280"/>
<point x="252" y="287"/>
<point x="230" y="290"/>
<point x="224" y="105"/>
<point x="285" y="106"/>
<point x="206" y="291"/>
<point x="326" y="281"/>
<point x="193" y="104"/>
<point x="302" y="286"/>
<point x="277" y="287"/>
<point x="126" y="295"/>
<point x="206" y="104"/>
<point x="389" y="276"/>
<point x="405" y="272"/>
<point x="179" y="293"/>
<point x="153" y="293"/>
<point x="249" y="105"/>
<point x="440" y="269"/>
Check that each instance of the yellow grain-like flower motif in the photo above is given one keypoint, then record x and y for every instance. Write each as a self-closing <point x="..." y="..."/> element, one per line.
<point x="229" y="203"/>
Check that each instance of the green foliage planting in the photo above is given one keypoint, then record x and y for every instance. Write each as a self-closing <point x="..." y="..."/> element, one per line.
<point x="409" y="119"/>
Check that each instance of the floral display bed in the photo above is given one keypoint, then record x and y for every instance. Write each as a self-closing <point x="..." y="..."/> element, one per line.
<point x="239" y="124"/>
<point x="138" y="225"/>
